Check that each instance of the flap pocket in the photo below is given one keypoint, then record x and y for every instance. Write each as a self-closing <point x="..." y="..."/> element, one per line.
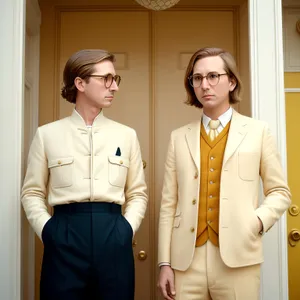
<point x="61" y="172"/>
<point x="117" y="170"/>
<point x="119" y="160"/>
<point x="60" y="162"/>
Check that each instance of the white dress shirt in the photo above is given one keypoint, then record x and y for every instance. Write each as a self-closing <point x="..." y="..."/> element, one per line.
<point x="224" y="120"/>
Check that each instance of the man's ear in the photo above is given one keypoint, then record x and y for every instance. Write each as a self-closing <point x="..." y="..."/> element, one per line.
<point x="232" y="84"/>
<point x="79" y="83"/>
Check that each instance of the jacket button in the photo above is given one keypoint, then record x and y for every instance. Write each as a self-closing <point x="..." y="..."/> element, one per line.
<point x="59" y="162"/>
<point x="121" y="162"/>
<point x="196" y="175"/>
<point x="194" y="201"/>
<point x="192" y="229"/>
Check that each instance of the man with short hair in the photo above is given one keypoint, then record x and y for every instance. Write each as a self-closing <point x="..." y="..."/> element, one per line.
<point x="211" y="222"/>
<point x="86" y="166"/>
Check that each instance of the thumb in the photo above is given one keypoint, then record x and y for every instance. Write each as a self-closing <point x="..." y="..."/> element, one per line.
<point x="172" y="287"/>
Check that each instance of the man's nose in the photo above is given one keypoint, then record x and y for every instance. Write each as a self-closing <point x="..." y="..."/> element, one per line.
<point x="205" y="84"/>
<point x="114" y="86"/>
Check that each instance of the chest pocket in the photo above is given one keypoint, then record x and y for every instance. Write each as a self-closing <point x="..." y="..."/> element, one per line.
<point x="61" y="172"/>
<point x="117" y="170"/>
<point x="248" y="165"/>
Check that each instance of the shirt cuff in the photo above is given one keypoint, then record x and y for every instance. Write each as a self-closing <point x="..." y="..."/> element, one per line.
<point x="164" y="264"/>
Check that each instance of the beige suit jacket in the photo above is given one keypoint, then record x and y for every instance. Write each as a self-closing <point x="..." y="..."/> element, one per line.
<point x="69" y="163"/>
<point x="250" y="154"/>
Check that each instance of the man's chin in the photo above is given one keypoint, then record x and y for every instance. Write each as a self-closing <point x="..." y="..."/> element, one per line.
<point x="209" y="104"/>
<point x="107" y="104"/>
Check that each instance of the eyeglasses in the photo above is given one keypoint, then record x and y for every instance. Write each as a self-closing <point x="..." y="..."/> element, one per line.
<point x="108" y="79"/>
<point x="213" y="78"/>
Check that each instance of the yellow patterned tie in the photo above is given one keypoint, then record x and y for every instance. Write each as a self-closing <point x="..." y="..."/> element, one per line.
<point x="213" y="125"/>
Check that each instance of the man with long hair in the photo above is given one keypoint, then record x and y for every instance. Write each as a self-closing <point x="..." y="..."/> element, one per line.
<point x="211" y="222"/>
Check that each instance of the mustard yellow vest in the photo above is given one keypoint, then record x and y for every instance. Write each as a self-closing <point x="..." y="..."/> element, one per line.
<point x="212" y="153"/>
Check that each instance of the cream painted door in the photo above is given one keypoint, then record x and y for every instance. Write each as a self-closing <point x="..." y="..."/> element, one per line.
<point x="152" y="51"/>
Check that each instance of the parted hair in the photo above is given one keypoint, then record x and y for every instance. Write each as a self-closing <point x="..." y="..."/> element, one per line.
<point x="81" y="64"/>
<point x="229" y="67"/>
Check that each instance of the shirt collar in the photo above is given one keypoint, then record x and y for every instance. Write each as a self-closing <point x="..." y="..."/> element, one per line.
<point x="78" y="120"/>
<point x="224" y="118"/>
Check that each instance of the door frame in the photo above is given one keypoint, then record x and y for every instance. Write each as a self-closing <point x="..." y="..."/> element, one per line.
<point x="31" y="73"/>
<point x="12" y="32"/>
<point x="267" y="103"/>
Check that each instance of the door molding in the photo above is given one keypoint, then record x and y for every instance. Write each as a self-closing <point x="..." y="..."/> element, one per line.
<point x="268" y="103"/>
<point x="12" y="32"/>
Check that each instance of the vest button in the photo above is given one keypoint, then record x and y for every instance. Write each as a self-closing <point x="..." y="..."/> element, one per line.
<point x="212" y="169"/>
<point x="192" y="229"/>
<point x="194" y="201"/>
<point x="210" y="196"/>
<point x="211" y="182"/>
<point x="212" y="158"/>
<point x="210" y="209"/>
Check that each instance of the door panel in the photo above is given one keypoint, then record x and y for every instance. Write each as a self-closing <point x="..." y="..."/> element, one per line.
<point x="292" y="80"/>
<point x="152" y="51"/>
<point x="130" y="42"/>
<point x="177" y="36"/>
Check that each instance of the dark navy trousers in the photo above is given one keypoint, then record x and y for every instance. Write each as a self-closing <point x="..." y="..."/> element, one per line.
<point x="87" y="254"/>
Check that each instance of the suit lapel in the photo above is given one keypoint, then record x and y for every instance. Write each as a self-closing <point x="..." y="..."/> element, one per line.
<point x="236" y="134"/>
<point x="193" y="141"/>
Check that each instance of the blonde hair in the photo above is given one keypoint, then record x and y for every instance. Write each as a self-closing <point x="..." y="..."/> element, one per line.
<point x="229" y="67"/>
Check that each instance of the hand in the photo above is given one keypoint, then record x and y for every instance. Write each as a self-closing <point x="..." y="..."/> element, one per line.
<point x="166" y="282"/>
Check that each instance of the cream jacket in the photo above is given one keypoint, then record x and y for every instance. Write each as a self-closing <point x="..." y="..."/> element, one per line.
<point x="250" y="155"/>
<point x="69" y="162"/>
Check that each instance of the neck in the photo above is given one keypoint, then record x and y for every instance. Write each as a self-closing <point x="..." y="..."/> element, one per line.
<point x="215" y="113"/>
<point x="87" y="113"/>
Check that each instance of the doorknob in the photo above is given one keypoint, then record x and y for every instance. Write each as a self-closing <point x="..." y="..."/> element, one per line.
<point x="294" y="237"/>
<point x="294" y="210"/>
<point x="142" y="255"/>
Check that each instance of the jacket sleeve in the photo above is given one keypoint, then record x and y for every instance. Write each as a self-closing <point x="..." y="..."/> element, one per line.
<point x="168" y="206"/>
<point x="135" y="188"/>
<point x="276" y="191"/>
<point x="35" y="186"/>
